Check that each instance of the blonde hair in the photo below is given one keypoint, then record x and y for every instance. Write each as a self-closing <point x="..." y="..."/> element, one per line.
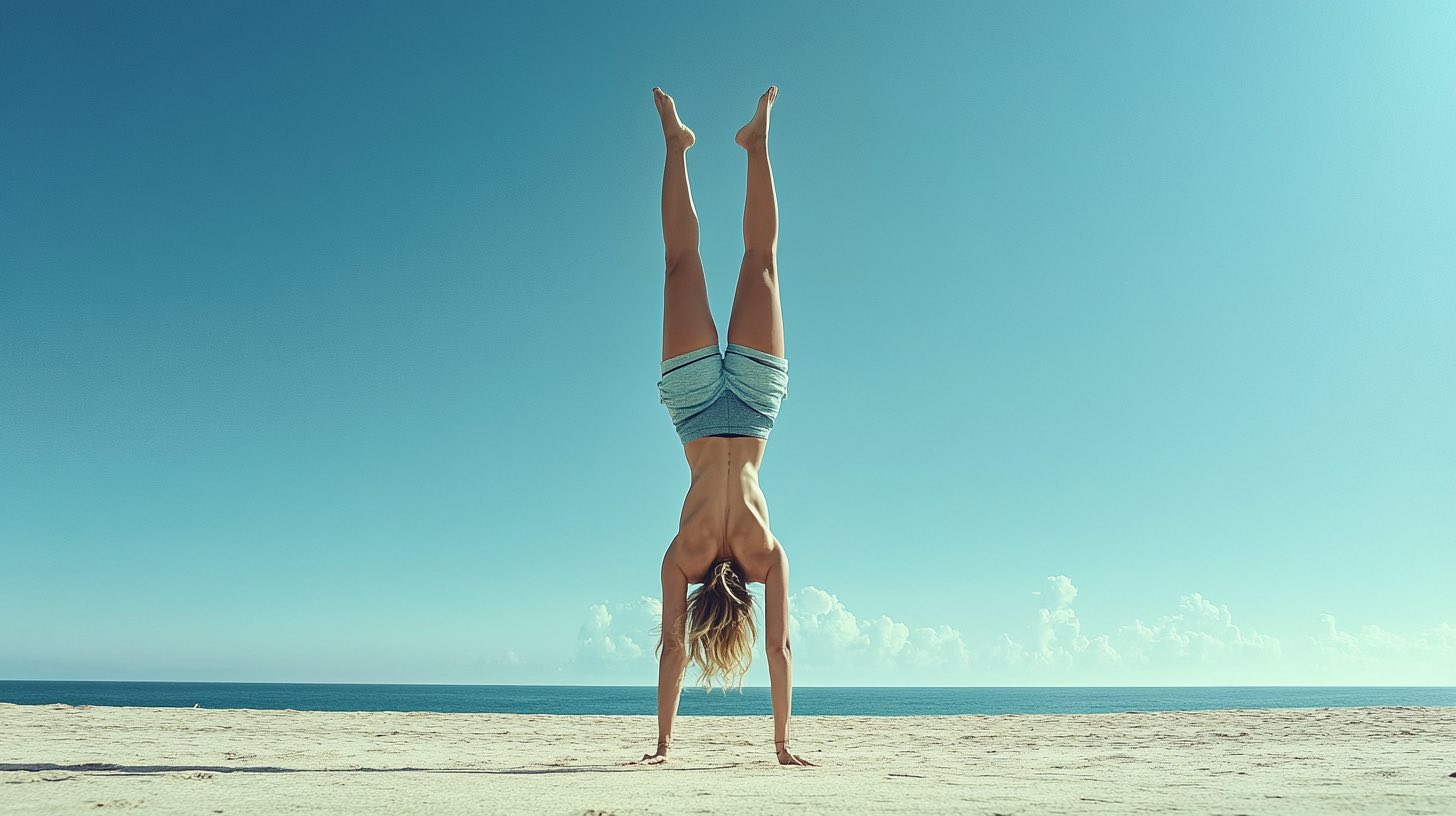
<point x="721" y="627"/>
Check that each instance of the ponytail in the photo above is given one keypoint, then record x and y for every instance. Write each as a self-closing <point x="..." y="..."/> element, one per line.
<point x="721" y="627"/>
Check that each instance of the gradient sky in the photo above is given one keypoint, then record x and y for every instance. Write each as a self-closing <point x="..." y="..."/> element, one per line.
<point x="1121" y="337"/>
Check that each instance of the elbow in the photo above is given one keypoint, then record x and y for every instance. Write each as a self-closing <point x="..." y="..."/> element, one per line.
<point x="779" y="652"/>
<point x="673" y="653"/>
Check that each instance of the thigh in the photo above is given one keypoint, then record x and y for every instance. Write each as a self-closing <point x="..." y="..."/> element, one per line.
<point x="757" y="320"/>
<point x="687" y="321"/>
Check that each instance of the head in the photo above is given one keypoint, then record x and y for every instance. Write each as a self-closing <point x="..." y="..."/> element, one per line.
<point x="721" y="627"/>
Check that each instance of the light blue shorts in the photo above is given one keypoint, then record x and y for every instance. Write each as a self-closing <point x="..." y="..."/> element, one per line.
<point x="736" y="393"/>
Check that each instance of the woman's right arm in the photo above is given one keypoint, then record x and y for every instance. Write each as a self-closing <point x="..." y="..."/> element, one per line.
<point x="780" y="659"/>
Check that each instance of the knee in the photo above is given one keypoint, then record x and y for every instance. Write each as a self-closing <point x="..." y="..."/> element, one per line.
<point x="761" y="260"/>
<point x="684" y="263"/>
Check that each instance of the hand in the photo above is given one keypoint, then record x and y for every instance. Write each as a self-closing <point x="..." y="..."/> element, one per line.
<point x="786" y="758"/>
<point x="657" y="758"/>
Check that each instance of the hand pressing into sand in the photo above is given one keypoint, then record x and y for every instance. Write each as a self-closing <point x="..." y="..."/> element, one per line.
<point x="786" y="758"/>
<point x="657" y="758"/>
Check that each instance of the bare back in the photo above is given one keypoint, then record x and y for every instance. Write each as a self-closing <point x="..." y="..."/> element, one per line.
<point x="725" y="514"/>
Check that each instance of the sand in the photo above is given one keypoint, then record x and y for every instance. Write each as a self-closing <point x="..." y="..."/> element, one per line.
<point x="90" y="759"/>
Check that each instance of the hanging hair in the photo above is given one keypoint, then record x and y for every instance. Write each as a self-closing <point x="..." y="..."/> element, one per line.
<point x="721" y="627"/>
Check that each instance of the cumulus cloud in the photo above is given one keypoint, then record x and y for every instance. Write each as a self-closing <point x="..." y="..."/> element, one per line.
<point x="1008" y="651"/>
<point x="1057" y="637"/>
<point x="618" y="634"/>
<point x="823" y="629"/>
<point x="1059" y="592"/>
<point x="1374" y="643"/>
<point x="1198" y="640"/>
<point x="1200" y="631"/>
<point x="508" y="658"/>
<point x="1372" y="655"/>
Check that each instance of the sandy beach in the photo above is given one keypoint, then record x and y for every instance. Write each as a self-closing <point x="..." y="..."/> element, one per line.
<point x="75" y="759"/>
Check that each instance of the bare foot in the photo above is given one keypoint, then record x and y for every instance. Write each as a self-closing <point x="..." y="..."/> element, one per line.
<point x="678" y="136"/>
<point x="755" y="133"/>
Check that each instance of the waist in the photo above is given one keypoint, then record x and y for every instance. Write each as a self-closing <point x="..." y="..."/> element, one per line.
<point x="715" y="456"/>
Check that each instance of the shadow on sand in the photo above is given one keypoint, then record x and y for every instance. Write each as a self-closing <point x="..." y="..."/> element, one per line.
<point x="109" y="768"/>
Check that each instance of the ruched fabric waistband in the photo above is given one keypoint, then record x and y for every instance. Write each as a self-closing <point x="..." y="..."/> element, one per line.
<point x="694" y="383"/>
<point x="757" y="377"/>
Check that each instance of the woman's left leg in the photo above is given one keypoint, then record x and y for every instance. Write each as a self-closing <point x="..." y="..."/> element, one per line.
<point x="757" y="319"/>
<point x="687" y="321"/>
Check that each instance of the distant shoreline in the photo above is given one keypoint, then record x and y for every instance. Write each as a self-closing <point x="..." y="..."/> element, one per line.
<point x="751" y="701"/>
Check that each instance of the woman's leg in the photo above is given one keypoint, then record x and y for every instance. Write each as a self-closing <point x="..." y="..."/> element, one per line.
<point x="687" y="322"/>
<point x="757" y="319"/>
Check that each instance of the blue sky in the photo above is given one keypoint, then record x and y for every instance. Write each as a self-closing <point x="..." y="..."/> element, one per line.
<point x="1120" y="337"/>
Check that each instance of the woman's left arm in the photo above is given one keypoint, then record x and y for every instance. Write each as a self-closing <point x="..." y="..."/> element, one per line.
<point x="674" y="659"/>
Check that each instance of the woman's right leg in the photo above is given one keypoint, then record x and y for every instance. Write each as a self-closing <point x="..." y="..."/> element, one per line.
<point x="757" y="318"/>
<point x="687" y="321"/>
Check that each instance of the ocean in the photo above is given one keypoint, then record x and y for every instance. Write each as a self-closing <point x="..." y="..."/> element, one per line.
<point x="752" y="701"/>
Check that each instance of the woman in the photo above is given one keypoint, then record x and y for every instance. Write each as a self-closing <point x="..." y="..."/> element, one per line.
<point x="723" y="407"/>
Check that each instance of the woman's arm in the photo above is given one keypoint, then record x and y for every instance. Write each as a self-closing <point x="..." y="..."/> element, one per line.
<point x="674" y="658"/>
<point x="780" y="659"/>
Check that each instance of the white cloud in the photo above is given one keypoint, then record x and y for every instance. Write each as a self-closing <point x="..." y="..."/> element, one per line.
<point x="618" y="634"/>
<point x="506" y="659"/>
<point x="1373" y="643"/>
<point x="1008" y="651"/>
<point x="817" y="617"/>
<point x="1057" y="637"/>
<point x="1200" y="631"/>
<point x="1372" y="655"/>
<point x="824" y="631"/>
<point x="1059" y="592"/>
<point x="933" y="646"/>
<point x="1198" y="641"/>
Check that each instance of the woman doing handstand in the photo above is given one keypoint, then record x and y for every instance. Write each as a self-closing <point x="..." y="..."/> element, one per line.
<point x="723" y="407"/>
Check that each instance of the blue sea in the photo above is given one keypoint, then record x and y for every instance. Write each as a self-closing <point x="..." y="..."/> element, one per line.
<point x="753" y="701"/>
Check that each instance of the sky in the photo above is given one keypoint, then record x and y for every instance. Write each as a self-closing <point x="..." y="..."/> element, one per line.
<point x="1120" y="338"/>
